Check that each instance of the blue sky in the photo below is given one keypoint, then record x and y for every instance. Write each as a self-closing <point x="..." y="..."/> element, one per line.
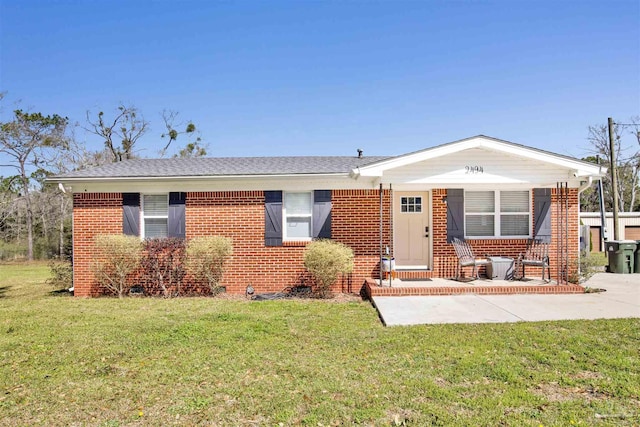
<point x="327" y="77"/>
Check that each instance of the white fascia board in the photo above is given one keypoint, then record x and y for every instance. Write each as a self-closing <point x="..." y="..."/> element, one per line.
<point x="430" y="153"/>
<point x="256" y="183"/>
<point x="582" y="168"/>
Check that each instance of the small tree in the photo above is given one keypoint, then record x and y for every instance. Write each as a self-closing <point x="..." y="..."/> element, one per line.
<point x="325" y="260"/>
<point x="61" y="275"/>
<point x="163" y="264"/>
<point x="206" y="257"/>
<point x="118" y="256"/>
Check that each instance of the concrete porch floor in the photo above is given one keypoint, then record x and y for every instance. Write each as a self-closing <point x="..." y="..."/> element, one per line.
<point x="621" y="299"/>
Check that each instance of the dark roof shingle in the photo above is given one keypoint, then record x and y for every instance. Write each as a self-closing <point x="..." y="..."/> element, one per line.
<point x="225" y="166"/>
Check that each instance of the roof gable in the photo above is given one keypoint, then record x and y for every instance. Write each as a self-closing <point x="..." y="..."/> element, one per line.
<point x="578" y="167"/>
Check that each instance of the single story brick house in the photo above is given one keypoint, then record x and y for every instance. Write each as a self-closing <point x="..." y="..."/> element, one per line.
<point x="493" y="193"/>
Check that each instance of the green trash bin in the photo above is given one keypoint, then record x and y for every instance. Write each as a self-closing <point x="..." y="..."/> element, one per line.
<point x="621" y="256"/>
<point x="636" y="268"/>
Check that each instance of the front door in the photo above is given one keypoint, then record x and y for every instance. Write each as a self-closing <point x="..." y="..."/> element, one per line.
<point x="411" y="228"/>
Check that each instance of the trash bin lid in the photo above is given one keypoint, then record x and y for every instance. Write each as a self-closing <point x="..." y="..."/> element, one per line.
<point x="627" y="244"/>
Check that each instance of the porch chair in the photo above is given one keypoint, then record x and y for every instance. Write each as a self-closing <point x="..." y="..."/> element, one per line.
<point x="466" y="258"/>
<point x="536" y="255"/>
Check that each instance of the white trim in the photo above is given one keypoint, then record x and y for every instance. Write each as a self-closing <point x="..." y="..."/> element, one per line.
<point x="135" y="185"/>
<point x="285" y="238"/>
<point x="412" y="267"/>
<point x="497" y="213"/>
<point x="144" y="217"/>
<point x="428" y="199"/>
<point x="87" y="179"/>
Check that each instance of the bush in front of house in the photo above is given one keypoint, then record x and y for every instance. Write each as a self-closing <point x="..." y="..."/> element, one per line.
<point x="325" y="260"/>
<point x="206" y="257"/>
<point x="588" y="264"/>
<point x="117" y="257"/>
<point x="163" y="265"/>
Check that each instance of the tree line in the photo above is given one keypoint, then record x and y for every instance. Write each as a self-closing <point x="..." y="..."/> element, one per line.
<point x="35" y="216"/>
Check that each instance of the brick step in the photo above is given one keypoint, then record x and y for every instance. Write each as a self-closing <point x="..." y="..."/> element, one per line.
<point x="372" y="288"/>
<point x="410" y="274"/>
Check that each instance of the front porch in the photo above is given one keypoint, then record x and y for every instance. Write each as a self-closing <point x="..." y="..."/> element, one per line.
<point x="440" y="286"/>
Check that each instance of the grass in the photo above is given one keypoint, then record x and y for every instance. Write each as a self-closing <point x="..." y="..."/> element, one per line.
<point x="195" y="361"/>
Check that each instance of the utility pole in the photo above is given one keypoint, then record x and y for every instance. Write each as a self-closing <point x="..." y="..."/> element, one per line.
<point x="614" y="181"/>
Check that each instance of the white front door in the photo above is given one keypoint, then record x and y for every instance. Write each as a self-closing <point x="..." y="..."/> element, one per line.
<point x="411" y="228"/>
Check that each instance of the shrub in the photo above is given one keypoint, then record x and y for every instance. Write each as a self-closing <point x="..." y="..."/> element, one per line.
<point x="325" y="260"/>
<point x="588" y="264"/>
<point x="206" y="257"/>
<point x="163" y="264"/>
<point x="118" y="256"/>
<point x="61" y="275"/>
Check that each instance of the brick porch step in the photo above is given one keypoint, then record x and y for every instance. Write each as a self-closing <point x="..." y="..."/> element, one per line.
<point x="482" y="287"/>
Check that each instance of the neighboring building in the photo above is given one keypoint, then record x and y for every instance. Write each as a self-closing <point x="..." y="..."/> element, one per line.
<point x="628" y="226"/>
<point x="494" y="193"/>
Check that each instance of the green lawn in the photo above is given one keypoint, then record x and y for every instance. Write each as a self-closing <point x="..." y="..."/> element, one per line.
<point x="190" y="361"/>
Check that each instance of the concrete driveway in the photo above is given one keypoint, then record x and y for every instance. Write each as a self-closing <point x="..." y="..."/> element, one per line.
<point x="620" y="300"/>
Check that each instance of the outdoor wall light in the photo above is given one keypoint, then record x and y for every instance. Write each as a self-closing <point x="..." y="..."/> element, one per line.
<point x="249" y="291"/>
<point x="444" y="200"/>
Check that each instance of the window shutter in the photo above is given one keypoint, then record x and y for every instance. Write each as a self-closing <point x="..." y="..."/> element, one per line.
<point x="176" y="220"/>
<point x="542" y="214"/>
<point x="455" y="214"/>
<point x="273" y="218"/>
<point x="322" y="214"/>
<point x="131" y="214"/>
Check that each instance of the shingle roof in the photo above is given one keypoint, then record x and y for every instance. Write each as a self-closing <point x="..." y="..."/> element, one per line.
<point x="224" y="166"/>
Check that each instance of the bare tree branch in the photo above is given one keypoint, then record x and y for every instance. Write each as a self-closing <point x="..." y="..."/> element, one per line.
<point x="122" y="133"/>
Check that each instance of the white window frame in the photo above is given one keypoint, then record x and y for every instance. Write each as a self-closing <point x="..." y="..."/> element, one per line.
<point x="144" y="217"/>
<point x="414" y="204"/>
<point x="497" y="214"/>
<point x="285" y="216"/>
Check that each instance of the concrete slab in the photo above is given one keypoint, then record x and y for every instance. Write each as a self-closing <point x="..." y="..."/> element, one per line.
<point x="620" y="300"/>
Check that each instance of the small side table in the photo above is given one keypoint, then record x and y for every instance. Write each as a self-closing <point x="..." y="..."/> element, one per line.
<point x="500" y="268"/>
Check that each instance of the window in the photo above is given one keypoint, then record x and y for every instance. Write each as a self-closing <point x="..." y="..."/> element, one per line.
<point x="297" y="214"/>
<point x="155" y="215"/>
<point x="497" y="213"/>
<point x="411" y="204"/>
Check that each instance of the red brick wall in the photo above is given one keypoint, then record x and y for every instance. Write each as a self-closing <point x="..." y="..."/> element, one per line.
<point x="93" y="214"/>
<point x="356" y="223"/>
<point x="445" y="260"/>
<point x="240" y="216"/>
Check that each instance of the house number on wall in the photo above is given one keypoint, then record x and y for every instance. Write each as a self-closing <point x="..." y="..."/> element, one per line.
<point x="473" y="169"/>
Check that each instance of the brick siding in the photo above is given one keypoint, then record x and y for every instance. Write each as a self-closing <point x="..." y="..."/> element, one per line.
<point x="239" y="215"/>
<point x="93" y="214"/>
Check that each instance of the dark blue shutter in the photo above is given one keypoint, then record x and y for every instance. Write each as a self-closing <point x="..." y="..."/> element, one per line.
<point x="542" y="214"/>
<point x="322" y="214"/>
<point x="273" y="218"/>
<point x="131" y="214"/>
<point x="177" y="215"/>
<point x="455" y="214"/>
